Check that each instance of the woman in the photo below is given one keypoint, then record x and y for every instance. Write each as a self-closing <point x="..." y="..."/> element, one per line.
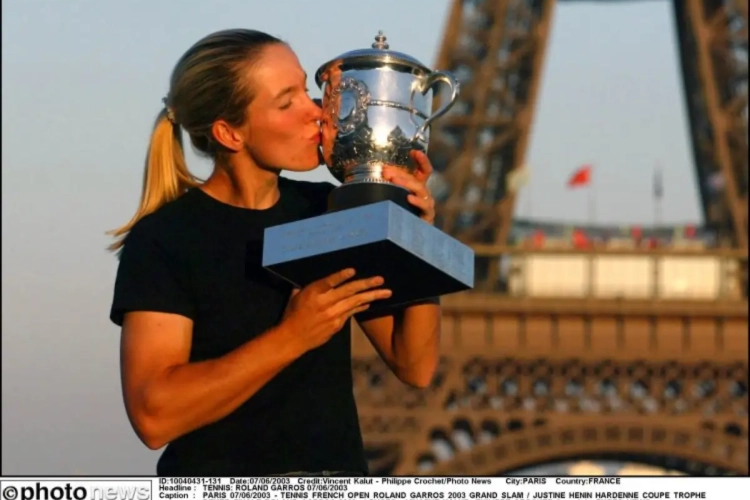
<point x="235" y="371"/>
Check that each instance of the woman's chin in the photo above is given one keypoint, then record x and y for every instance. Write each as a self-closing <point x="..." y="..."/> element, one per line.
<point x="306" y="167"/>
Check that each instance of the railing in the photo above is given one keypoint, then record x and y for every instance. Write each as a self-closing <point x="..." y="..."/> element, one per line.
<point x="717" y="274"/>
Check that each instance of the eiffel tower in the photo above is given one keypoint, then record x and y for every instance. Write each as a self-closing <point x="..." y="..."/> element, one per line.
<point x="660" y="380"/>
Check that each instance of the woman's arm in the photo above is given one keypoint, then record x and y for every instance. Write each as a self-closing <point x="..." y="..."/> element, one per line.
<point x="408" y="341"/>
<point x="166" y="396"/>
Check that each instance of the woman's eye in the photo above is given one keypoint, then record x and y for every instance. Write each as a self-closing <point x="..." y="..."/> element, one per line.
<point x="287" y="105"/>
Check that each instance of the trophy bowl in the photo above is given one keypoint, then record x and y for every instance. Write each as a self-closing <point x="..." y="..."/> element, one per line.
<point x="377" y="107"/>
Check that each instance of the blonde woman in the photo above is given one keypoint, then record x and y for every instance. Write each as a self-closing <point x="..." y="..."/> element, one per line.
<point x="235" y="372"/>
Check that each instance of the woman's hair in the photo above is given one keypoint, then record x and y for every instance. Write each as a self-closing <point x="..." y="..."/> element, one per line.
<point x="206" y="85"/>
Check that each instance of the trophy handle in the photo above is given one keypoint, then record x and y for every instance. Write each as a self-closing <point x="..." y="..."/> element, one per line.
<point x="432" y="79"/>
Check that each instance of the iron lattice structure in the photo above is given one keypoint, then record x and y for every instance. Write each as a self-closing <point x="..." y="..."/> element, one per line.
<point x="528" y="384"/>
<point x="529" y="380"/>
<point x="497" y="48"/>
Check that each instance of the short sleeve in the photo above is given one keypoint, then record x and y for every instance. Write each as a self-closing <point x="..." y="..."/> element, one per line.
<point x="150" y="278"/>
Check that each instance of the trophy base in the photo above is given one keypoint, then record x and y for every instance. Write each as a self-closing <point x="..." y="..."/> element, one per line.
<point x="417" y="260"/>
<point x="355" y="195"/>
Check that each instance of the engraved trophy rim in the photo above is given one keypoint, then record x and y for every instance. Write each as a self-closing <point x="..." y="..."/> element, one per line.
<point x="379" y="53"/>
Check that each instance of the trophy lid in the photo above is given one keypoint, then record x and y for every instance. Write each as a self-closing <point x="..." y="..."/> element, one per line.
<point x="379" y="54"/>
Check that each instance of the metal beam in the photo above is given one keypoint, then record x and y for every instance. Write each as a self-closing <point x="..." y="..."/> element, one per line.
<point x="713" y="53"/>
<point x="497" y="50"/>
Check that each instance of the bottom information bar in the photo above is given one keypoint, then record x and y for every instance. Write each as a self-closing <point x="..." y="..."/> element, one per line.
<point x="341" y="488"/>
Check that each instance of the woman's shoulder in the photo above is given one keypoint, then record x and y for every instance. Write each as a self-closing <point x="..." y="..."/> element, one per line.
<point x="167" y="224"/>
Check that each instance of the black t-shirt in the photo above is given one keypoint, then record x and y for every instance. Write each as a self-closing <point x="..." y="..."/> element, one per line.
<point x="201" y="258"/>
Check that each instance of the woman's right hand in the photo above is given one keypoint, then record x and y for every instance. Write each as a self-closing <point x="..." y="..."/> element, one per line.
<point x="316" y="312"/>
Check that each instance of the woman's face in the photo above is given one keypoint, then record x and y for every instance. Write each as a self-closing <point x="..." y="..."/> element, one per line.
<point x="283" y="124"/>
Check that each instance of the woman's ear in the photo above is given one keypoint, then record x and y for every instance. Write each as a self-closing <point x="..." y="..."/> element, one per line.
<point x="228" y="136"/>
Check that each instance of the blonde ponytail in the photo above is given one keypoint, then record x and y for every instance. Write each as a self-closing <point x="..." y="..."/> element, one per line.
<point x="165" y="176"/>
<point x="208" y="83"/>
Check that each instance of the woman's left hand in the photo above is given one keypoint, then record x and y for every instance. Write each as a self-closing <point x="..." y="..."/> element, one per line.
<point x="416" y="184"/>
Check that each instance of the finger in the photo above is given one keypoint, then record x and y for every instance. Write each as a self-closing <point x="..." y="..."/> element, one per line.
<point x="425" y="205"/>
<point x="358" y="310"/>
<point x="391" y="170"/>
<point x="424" y="166"/>
<point x="361" y="299"/>
<point x="355" y="287"/>
<point x="343" y="318"/>
<point x="332" y="281"/>
<point x="408" y="182"/>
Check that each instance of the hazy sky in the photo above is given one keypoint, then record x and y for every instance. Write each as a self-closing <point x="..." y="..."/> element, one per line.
<point x="82" y="82"/>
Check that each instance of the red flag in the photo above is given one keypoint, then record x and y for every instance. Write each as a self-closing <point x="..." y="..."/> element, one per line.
<point x="581" y="177"/>
<point x="538" y="239"/>
<point x="580" y="240"/>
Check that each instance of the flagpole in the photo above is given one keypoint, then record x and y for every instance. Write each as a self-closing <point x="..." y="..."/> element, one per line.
<point x="582" y="177"/>
<point x="657" y="188"/>
<point x="657" y="213"/>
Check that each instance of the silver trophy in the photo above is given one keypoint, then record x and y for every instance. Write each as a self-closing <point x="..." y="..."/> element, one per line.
<point x="377" y="107"/>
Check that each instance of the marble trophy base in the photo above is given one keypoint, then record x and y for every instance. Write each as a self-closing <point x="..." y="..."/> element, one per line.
<point x="417" y="260"/>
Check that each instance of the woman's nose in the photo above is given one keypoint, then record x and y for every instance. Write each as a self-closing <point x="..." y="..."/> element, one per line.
<point x="318" y="109"/>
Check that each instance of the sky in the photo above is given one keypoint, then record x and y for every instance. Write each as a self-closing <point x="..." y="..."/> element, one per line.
<point x="82" y="83"/>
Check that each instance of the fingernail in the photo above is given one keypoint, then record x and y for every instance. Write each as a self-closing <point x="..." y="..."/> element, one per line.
<point x="387" y="293"/>
<point x="350" y="272"/>
<point x="378" y="281"/>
